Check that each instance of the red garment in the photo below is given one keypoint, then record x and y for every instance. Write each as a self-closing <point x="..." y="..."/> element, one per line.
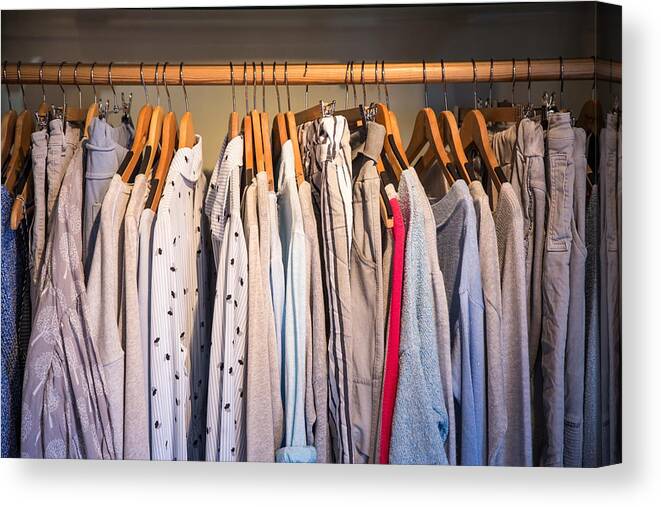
<point x="391" y="373"/>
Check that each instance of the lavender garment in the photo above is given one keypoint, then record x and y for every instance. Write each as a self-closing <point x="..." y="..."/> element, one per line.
<point x="65" y="411"/>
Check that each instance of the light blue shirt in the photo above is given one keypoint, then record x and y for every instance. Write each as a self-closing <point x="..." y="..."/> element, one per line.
<point x="292" y="238"/>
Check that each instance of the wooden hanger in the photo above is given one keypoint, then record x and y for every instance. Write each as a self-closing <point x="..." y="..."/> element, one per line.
<point x="450" y="134"/>
<point x="8" y="121"/>
<point x="268" y="160"/>
<point x="474" y="132"/>
<point x="186" y="129"/>
<point x="258" y="145"/>
<point x="248" y="152"/>
<point x="18" y="209"/>
<point x="153" y="139"/>
<point x="395" y="156"/>
<point x="20" y="148"/>
<point x="130" y="162"/>
<point x="168" y="144"/>
<point x="8" y="131"/>
<point x="426" y="132"/>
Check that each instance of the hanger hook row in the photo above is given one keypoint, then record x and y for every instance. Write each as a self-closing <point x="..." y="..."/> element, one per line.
<point x="353" y="86"/>
<point x="112" y="87"/>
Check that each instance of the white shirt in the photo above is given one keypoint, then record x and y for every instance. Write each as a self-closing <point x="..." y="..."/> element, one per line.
<point x="179" y="329"/>
<point x="225" y="440"/>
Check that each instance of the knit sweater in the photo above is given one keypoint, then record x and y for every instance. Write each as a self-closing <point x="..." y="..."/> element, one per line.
<point x="420" y="421"/>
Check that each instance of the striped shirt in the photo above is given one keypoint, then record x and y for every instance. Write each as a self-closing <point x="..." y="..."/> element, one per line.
<point x="327" y="156"/>
<point x="225" y="439"/>
<point x="179" y="332"/>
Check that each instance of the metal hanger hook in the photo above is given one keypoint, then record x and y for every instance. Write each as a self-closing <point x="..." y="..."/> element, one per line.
<point x="346" y="86"/>
<point x="75" y="82"/>
<point x="20" y="83"/>
<point x="183" y="85"/>
<point x="59" y="83"/>
<point x="142" y="81"/>
<point x="277" y="90"/>
<point x="529" y="83"/>
<point x="245" y="86"/>
<point x="112" y="87"/>
<point x="385" y="84"/>
<point x="167" y="90"/>
<point x="254" y="86"/>
<point x="287" y="88"/>
<point x="232" y="84"/>
<point x="362" y="82"/>
<point x="353" y="86"/>
<point x="562" y="80"/>
<point x="4" y="79"/>
<point x="41" y="81"/>
<point x="305" y="72"/>
<point x="513" y="78"/>
<point x="92" y="80"/>
<point x="474" y="83"/>
<point x="158" y="92"/>
<point x="424" y="81"/>
<point x="445" y="84"/>
<point x="261" y="66"/>
<point x="376" y="80"/>
<point x="490" y="82"/>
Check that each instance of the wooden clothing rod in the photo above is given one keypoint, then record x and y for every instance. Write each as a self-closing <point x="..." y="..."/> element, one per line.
<point x="317" y="73"/>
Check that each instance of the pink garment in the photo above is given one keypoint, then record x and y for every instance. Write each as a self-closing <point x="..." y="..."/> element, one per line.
<point x="391" y="374"/>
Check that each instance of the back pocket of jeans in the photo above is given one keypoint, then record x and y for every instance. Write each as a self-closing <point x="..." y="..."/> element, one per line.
<point x="558" y="233"/>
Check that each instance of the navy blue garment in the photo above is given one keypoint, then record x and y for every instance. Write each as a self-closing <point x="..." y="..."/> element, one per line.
<point x="11" y="381"/>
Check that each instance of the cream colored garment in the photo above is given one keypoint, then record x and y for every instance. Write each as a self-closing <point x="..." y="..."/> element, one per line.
<point x="136" y="412"/>
<point x="104" y="288"/>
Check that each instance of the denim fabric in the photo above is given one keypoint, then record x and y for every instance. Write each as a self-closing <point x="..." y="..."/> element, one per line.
<point x="556" y="282"/>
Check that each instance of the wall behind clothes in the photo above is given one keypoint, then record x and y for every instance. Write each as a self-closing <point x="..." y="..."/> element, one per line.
<point x="340" y="34"/>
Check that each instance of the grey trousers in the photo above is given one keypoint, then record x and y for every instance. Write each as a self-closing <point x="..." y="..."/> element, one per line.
<point x="575" y="350"/>
<point x="39" y="228"/>
<point x="556" y="282"/>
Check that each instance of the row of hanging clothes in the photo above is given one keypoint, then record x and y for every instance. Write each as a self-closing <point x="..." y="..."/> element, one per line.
<point x="323" y="295"/>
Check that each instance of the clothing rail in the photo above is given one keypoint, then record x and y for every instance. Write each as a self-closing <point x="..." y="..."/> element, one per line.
<point x="522" y="70"/>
